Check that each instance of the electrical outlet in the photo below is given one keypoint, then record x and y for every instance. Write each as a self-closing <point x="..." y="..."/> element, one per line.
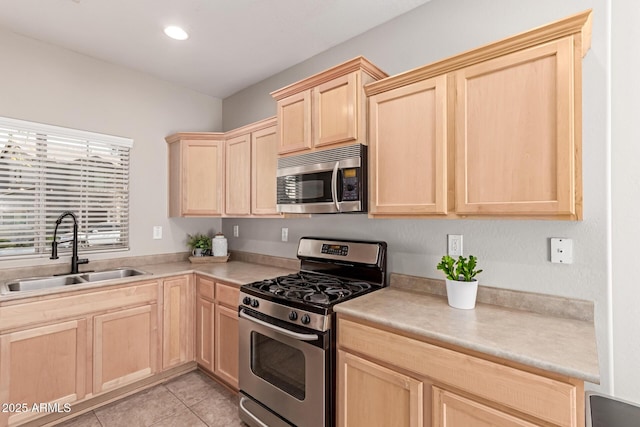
<point x="454" y="245"/>
<point x="561" y="250"/>
<point x="236" y="231"/>
<point x="285" y="234"/>
<point x="157" y="232"/>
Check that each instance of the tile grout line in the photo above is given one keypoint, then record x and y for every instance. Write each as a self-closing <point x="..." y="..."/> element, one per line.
<point x="189" y="407"/>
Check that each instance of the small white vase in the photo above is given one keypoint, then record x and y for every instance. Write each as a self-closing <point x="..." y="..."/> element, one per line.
<point x="462" y="294"/>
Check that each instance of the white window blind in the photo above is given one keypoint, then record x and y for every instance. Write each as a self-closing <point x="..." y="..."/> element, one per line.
<point x="46" y="170"/>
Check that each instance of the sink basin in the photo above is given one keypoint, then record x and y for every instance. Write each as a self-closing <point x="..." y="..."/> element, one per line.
<point x="118" y="273"/>
<point x="35" y="283"/>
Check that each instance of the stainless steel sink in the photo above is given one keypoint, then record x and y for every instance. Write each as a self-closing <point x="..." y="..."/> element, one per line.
<point x="35" y="283"/>
<point x="118" y="273"/>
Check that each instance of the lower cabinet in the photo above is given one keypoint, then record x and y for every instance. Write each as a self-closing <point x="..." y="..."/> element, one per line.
<point x="450" y="409"/>
<point x="226" y="336"/>
<point x="46" y="364"/>
<point x="372" y="395"/>
<point x="217" y="329"/>
<point x="384" y="374"/>
<point x="205" y="323"/>
<point x="125" y="347"/>
<point x="178" y="317"/>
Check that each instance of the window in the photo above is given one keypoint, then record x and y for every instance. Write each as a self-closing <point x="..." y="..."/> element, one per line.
<point x="46" y="170"/>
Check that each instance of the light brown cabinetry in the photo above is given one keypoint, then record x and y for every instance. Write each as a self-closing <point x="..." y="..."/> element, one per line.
<point x="46" y="364"/>
<point x="495" y="131"/>
<point x="125" y="347"/>
<point x="226" y="334"/>
<point x="217" y="329"/>
<point x="372" y="395"/>
<point x="72" y="347"/>
<point x="196" y="165"/>
<point x="515" y="148"/>
<point x="205" y="322"/>
<point x="327" y="108"/>
<point x="450" y="409"/>
<point x="178" y="320"/>
<point x="251" y="165"/>
<point x="408" y="145"/>
<point x="463" y="387"/>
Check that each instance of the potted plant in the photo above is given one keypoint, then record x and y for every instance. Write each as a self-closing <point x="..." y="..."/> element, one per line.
<point x="198" y="243"/>
<point x="462" y="286"/>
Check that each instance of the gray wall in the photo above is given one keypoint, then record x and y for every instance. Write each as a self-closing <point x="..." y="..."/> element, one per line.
<point x="47" y="84"/>
<point x="514" y="254"/>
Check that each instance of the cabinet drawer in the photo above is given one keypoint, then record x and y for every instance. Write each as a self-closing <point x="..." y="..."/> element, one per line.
<point x="544" y="398"/>
<point x="205" y="287"/>
<point x="228" y="295"/>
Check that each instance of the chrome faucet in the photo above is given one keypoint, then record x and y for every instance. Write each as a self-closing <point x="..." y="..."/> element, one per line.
<point x="74" y="254"/>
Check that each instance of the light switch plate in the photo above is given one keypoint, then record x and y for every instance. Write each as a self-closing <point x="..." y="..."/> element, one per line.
<point x="157" y="232"/>
<point x="561" y="250"/>
<point x="236" y="230"/>
<point x="285" y="234"/>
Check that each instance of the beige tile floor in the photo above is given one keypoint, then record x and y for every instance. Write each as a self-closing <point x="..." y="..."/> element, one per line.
<point x="191" y="400"/>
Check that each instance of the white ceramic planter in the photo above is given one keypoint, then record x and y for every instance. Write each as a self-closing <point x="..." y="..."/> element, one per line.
<point x="462" y="294"/>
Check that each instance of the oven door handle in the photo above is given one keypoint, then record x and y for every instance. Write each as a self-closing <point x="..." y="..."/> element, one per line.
<point x="283" y="331"/>
<point x="246" y="411"/>
<point x="334" y="186"/>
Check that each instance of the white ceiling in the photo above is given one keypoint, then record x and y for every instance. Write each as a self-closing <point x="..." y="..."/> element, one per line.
<point x="233" y="43"/>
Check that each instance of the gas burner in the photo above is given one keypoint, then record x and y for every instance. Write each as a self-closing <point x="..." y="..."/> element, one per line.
<point x="312" y="288"/>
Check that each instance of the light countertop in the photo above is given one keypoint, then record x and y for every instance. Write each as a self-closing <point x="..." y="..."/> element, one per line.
<point x="560" y="345"/>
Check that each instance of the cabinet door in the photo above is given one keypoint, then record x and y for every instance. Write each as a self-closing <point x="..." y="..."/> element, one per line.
<point x="515" y="145"/>
<point x="371" y="395"/>
<point x="205" y="328"/>
<point x="451" y="410"/>
<point x="294" y="123"/>
<point x="178" y="333"/>
<point x="238" y="176"/>
<point x="42" y="365"/>
<point x="125" y="346"/>
<point x="264" y="165"/>
<point x="201" y="170"/>
<point x="335" y="111"/>
<point x="408" y="149"/>
<point x="226" y="335"/>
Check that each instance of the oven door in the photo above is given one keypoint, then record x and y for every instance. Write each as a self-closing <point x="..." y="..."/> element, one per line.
<point x="287" y="371"/>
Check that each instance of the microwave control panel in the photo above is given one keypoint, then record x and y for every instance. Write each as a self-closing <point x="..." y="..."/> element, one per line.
<point x="350" y="185"/>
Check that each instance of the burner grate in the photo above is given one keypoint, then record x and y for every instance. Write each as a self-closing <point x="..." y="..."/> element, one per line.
<point x="312" y="288"/>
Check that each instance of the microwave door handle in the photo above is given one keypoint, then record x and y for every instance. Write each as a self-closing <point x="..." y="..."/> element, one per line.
<point x="283" y="331"/>
<point x="334" y="186"/>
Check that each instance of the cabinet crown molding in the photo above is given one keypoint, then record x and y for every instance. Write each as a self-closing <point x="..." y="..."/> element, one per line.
<point x="251" y="127"/>
<point x="578" y="25"/>
<point x="356" y="64"/>
<point x="209" y="136"/>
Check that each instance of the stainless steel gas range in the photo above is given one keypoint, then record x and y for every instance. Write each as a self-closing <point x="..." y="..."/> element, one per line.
<point x="287" y="366"/>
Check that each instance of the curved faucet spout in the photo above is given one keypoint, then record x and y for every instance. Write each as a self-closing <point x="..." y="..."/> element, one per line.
<point x="54" y="244"/>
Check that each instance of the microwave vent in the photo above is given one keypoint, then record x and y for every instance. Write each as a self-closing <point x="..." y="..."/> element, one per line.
<point x="324" y="156"/>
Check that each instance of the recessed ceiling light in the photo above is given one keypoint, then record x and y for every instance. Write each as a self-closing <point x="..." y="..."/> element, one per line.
<point x="176" y="33"/>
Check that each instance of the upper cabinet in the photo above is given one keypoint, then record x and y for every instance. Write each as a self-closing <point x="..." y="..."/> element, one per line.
<point x="251" y="162"/>
<point x="196" y="164"/>
<point x="327" y="108"/>
<point x="493" y="132"/>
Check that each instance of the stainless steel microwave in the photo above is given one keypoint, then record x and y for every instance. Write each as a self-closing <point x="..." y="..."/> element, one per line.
<point x="328" y="181"/>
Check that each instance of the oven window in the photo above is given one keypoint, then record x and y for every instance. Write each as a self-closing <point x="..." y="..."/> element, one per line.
<point x="305" y="188"/>
<point x="279" y="364"/>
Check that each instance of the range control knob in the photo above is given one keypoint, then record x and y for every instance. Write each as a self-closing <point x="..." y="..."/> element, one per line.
<point x="305" y="319"/>
<point x="254" y="303"/>
<point x="293" y="315"/>
<point x="246" y="300"/>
